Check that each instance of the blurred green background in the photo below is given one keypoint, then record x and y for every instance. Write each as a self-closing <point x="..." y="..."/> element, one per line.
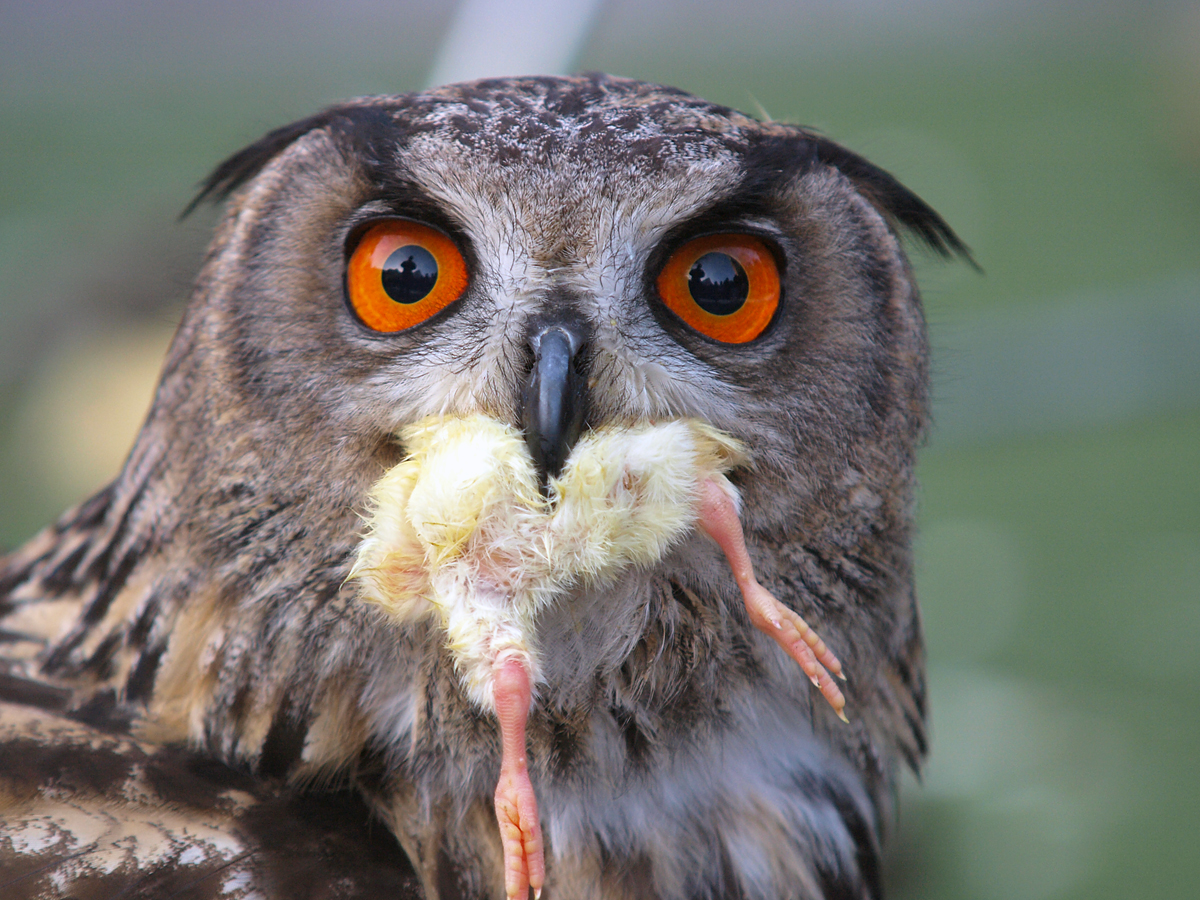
<point x="1059" y="556"/>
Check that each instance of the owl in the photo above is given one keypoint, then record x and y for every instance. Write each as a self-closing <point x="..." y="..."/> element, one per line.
<point x="525" y="506"/>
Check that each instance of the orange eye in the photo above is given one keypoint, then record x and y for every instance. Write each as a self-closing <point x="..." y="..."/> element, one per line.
<point x="726" y="286"/>
<point x="401" y="273"/>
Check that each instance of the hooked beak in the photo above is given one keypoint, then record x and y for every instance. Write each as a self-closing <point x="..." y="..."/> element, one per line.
<point x="553" y="400"/>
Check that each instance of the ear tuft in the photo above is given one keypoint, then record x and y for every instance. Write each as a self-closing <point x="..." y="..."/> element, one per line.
<point x="895" y="200"/>
<point x="358" y="120"/>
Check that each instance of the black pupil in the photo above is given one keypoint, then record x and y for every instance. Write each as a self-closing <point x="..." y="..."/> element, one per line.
<point x="718" y="284"/>
<point x="409" y="274"/>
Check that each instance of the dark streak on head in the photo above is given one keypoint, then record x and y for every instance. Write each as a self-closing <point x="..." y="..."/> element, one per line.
<point x="248" y="162"/>
<point x="370" y="127"/>
<point x="894" y="200"/>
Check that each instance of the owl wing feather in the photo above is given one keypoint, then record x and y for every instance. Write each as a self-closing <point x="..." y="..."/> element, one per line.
<point x="90" y="809"/>
<point x="94" y="812"/>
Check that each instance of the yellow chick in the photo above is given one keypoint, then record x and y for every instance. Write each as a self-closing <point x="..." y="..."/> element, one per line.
<point x="460" y="530"/>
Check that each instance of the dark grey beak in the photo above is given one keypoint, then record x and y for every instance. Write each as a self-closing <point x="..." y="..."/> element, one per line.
<point x="553" y="400"/>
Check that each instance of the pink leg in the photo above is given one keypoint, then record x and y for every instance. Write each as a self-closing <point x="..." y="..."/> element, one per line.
<point x="718" y="517"/>
<point x="516" y="804"/>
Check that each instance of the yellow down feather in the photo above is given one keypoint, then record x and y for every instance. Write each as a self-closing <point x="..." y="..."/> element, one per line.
<point x="459" y="530"/>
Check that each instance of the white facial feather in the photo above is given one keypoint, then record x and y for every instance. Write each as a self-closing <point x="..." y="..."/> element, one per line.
<point x="594" y="243"/>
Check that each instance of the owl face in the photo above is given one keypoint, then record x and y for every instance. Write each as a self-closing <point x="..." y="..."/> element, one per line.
<point x="567" y="203"/>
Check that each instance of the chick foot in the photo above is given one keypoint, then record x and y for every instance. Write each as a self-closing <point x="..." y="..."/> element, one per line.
<point x="516" y="803"/>
<point x="719" y="519"/>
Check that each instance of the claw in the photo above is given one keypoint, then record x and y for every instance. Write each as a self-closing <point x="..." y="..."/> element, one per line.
<point x="516" y="803"/>
<point x="719" y="519"/>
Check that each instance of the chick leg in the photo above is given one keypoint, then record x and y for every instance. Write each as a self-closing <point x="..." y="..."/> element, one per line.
<point x="516" y="803"/>
<point x="719" y="519"/>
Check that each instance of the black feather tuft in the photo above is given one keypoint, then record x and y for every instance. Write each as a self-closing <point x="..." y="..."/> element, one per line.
<point x="248" y="162"/>
<point x="895" y="200"/>
<point x="369" y="127"/>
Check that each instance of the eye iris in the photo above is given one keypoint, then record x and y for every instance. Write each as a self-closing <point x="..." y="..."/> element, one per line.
<point x="718" y="284"/>
<point x="409" y="274"/>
